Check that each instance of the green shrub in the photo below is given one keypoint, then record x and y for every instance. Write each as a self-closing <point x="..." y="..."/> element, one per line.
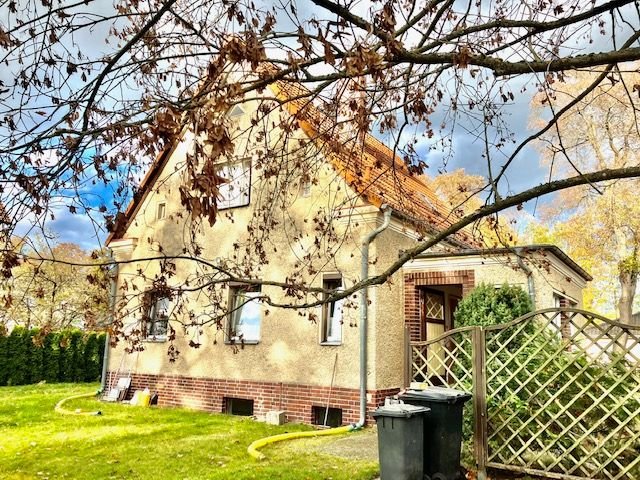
<point x="535" y="378"/>
<point x="484" y="306"/>
<point x="91" y="361"/>
<point x="67" y="356"/>
<point x="3" y="358"/>
<point x="487" y="305"/>
<point x="50" y="358"/>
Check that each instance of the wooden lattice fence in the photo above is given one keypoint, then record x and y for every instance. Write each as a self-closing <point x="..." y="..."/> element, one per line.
<point x="555" y="393"/>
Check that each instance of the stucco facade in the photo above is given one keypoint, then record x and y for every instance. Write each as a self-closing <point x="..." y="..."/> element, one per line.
<point x="289" y="367"/>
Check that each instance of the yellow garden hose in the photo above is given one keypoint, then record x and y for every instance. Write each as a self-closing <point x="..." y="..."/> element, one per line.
<point x="253" y="448"/>
<point x="60" y="409"/>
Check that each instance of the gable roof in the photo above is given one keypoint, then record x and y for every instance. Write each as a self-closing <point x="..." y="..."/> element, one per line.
<point x="368" y="166"/>
<point x="371" y="168"/>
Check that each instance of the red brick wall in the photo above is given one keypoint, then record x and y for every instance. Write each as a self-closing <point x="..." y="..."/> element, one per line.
<point x="297" y="400"/>
<point x="415" y="280"/>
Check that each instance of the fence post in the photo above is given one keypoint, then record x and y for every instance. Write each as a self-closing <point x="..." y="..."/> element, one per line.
<point x="479" y="400"/>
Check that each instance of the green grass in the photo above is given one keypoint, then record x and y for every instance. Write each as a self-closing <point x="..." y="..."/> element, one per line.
<point x="140" y="443"/>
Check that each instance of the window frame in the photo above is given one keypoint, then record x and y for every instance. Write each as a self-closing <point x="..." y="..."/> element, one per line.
<point x="305" y="188"/>
<point x="161" y="207"/>
<point x="325" y="320"/>
<point x="244" y="197"/>
<point x="151" y="318"/>
<point x="235" y="289"/>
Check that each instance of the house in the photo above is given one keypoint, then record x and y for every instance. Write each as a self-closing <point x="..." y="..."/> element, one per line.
<point x="302" y="222"/>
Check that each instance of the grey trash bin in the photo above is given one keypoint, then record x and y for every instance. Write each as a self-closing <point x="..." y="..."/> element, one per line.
<point x="442" y="431"/>
<point x="401" y="441"/>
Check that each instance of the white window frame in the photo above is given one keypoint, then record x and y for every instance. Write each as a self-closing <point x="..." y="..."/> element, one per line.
<point x="161" y="210"/>
<point x="305" y="188"/>
<point x="236" y="192"/>
<point x="332" y="313"/>
<point x="158" y="312"/>
<point x="243" y="300"/>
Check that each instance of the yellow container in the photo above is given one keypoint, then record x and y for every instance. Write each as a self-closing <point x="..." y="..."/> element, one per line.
<point x="144" y="398"/>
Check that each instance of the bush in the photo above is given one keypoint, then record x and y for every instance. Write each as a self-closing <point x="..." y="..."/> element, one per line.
<point x="26" y="356"/>
<point x="3" y="358"/>
<point x="487" y="305"/>
<point x="534" y="378"/>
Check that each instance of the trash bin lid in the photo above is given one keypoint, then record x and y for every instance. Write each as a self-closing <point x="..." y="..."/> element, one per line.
<point x="400" y="410"/>
<point x="438" y="395"/>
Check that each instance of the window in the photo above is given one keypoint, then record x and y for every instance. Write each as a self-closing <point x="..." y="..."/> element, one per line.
<point x="332" y="312"/>
<point x="245" y="314"/>
<point x="327" y="416"/>
<point x="238" y="406"/>
<point x="236" y="191"/>
<point x="305" y="189"/>
<point x="236" y="112"/>
<point x="157" y="321"/>
<point x="161" y="211"/>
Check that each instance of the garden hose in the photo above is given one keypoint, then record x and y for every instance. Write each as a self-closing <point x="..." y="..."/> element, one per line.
<point x="253" y="448"/>
<point x="60" y="409"/>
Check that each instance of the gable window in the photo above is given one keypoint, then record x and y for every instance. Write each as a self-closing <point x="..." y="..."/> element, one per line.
<point x="236" y="191"/>
<point x="331" y="312"/>
<point x="236" y="111"/>
<point x="305" y="189"/>
<point x="245" y="313"/>
<point x="161" y="211"/>
<point x="157" y="320"/>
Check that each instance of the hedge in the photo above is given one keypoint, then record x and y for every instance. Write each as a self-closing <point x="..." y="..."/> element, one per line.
<point x="28" y="357"/>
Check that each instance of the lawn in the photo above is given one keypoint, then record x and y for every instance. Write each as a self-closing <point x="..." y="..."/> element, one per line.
<point x="140" y="443"/>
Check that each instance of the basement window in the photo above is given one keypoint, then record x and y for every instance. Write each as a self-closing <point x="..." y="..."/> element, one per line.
<point x="238" y="406"/>
<point x="328" y="417"/>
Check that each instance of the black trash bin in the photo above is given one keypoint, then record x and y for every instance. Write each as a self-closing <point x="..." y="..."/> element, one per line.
<point x="401" y="441"/>
<point x="442" y="431"/>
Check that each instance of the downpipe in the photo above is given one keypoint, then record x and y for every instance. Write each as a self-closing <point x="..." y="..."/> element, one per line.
<point x="112" y="307"/>
<point x="364" y="313"/>
<point x="253" y="449"/>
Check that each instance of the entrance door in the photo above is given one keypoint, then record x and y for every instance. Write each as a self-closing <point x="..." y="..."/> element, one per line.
<point x="433" y="318"/>
<point x="433" y="325"/>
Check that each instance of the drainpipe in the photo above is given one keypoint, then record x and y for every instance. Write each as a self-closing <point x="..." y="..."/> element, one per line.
<point x="364" y="313"/>
<point x="112" y="307"/>
<point x="529" y="273"/>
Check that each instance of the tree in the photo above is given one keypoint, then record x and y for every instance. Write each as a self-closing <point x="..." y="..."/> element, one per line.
<point x="53" y="291"/>
<point x="600" y="226"/>
<point x="462" y="192"/>
<point x="415" y="73"/>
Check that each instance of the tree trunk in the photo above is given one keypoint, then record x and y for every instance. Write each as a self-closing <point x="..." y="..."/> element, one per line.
<point x="628" y="282"/>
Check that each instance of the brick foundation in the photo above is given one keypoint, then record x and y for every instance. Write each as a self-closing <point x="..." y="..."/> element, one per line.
<point x="295" y="399"/>
<point x="415" y="280"/>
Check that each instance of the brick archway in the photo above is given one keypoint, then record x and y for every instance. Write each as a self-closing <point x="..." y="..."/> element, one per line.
<point x="415" y="280"/>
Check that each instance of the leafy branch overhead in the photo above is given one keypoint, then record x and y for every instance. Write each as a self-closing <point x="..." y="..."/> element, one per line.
<point x="97" y="100"/>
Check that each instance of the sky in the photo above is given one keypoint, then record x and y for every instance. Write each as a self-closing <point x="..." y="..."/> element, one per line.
<point x="525" y="173"/>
